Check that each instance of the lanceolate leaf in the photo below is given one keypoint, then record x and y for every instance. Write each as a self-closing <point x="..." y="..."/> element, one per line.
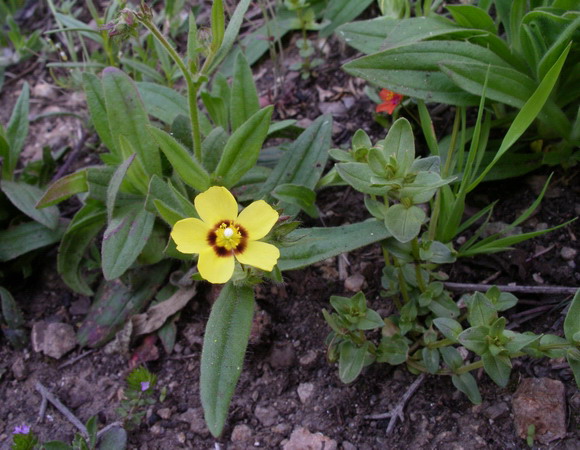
<point x="182" y="160"/>
<point x="128" y="118"/>
<point x="25" y="197"/>
<point x="367" y="36"/>
<point x="85" y="225"/>
<point x="303" y="162"/>
<point x="63" y="188"/>
<point x="98" y="110"/>
<point x="162" y="102"/>
<point x="572" y="322"/>
<point x="224" y="346"/>
<point x="23" y="238"/>
<point x="352" y="358"/>
<point x="124" y="238"/>
<point x="243" y="147"/>
<point x="16" y="132"/>
<point x="414" y="69"/>
<point x="341" y="11"/>
<point x="317" y="244"/>
<point x="244" y="97"/>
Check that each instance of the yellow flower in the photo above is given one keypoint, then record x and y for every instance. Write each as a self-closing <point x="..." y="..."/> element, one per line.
<point x="222" y="234"/>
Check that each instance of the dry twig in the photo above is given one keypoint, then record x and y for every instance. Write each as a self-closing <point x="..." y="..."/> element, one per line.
<point x="49" y="396"/>
<point x="397" y="412"/>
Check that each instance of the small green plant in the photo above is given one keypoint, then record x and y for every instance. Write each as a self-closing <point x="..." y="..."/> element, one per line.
<point x="138" y="396"/>
<point x="305" y="21"/>
<point x="428" y="326"/>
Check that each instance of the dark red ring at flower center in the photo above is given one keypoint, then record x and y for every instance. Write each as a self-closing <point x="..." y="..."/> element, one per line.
<point x="222" y="251"/>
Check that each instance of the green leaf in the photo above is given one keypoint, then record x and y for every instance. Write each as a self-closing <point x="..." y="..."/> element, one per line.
<point x="573" y="358"/>
<point x="115" y="184"/>
<point x="230" y="35"/>
<point x="351" y="361"/>
<point x="400" y="143"/>
<point x="358" y="175"/>
<point x="393" y="350"/>
<point x="183" y="162"/>
<point x="98" y="110"/>
<point x="21" y="239"/>
<point x="85" y="225"/>
<point x="217" y="25"/>
<point x="25" y="197"/>
<point x="244" y="100"/>
<point x="164" y="197"/>
<point x="63" y="188"/>
<point x="370" y="321"/>
<point x="452" y="357"/>
<point x="467" y="384"/>
<point x="162" y="102"/>
<point x="475" y="339"/>
<point x="243" y="147"/>
<point x="470" y="16"/>
<point x="404" y="223"/>
<point x="430" y="359"/>
<point x="339" y="12"/>
<point x="300" y="196"/>
<point x="10" y="312"/>
<point x="16" y="132"/>
<point x="128" y="118"/>
<point x="480" y="310"/>
<point x="367" y="36"/>
<point x="317" y="244"/>
<point x="518" y="341"/>
<point x="423" y="187"/>
<point x="115" y="302"/>
<point x="450" y="328"/>
<point x="124" y="238"/>
<point x="527" y="114"/>
<point x="302" y="164"/>
<point x="114" y="438"/>
<point x="224" y="345"/>
<point x="413" y="69"/>
<point x="572" y="321"/>
<point x="497" y="367"/>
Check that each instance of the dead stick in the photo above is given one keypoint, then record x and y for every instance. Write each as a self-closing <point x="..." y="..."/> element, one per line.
<point x="555" y="290"/>
<point x="45" y="393"/>
<point x="397" y="411"/>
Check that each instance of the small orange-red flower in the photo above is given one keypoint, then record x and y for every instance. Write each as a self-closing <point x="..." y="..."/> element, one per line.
<point x="390" y="101"/>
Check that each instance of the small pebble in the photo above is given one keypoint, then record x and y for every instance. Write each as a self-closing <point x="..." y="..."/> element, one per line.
<point x="568" y="253"/>
<point x="305" y="391"/>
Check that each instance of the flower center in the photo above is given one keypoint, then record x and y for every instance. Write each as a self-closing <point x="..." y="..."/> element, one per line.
<point x="228" y="236"/>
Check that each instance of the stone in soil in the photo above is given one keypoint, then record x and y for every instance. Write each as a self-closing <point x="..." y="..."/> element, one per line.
<point x="305" y="391"/>
<point x="540" y="402"/>
<point x="241" y="433"/>
<point x="302" y="439"/>
<point x="267" y="415"/>
<point x="53" y="339"/>
<point x="354" y="283"/>
<point x="568" y="253"/>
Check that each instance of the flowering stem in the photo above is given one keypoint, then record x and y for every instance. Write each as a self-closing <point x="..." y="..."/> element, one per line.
<point x="192" y="86"/>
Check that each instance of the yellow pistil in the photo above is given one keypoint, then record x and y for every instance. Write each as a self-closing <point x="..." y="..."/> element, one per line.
<point x="228" y="236"/>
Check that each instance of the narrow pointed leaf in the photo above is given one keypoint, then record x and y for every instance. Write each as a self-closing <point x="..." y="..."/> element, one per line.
<point x="25" y="197"/>
<point x="63" y="188"/>
<point x="124" y="238"/>
<point x="244" y="96"/>
<point x="224" y="346"/>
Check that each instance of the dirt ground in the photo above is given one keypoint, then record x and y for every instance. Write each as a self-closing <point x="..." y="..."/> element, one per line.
<point x="287" y="383"/>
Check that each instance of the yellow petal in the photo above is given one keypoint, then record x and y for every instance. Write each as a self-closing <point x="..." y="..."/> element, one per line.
<point x="190" y="235"/>
<point x="216" y="205"/>
<point x="258" y="219"/>
<point x="259" y="254"/>
<point x="215" y="269"/>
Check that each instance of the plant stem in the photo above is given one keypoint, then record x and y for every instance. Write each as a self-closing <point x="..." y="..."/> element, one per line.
<point x="192" y="86"/>
<point x="418" y="275"/>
